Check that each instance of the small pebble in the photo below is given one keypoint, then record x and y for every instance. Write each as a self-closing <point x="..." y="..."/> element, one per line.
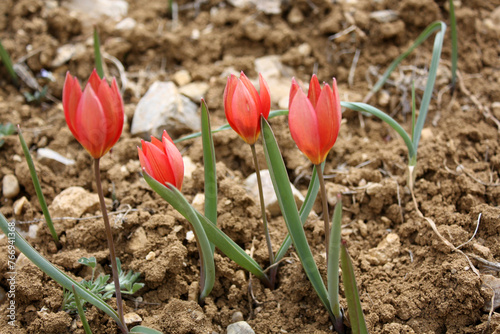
<point x="19" y="205"/>
<point x="240" y="327"/>
<point x="10" y="186"/>
<point x="132" y="318"/>
<point x="151" y="256"/>
<point x="237" y="316"/>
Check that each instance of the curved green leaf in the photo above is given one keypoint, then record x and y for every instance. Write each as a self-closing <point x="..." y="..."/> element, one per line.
<point x="38" y="188"/>
<point x="333" y="261"/>
<point x="57" y="275"/>
<point x="214" y="234"/>
<point x="81" y="313"/>
<point x="97" y="54"/>
<point x="288" y="208"/>
<point x="144" y="330"/>
<point x="209" y="167"/>
<point x="172" y="195"/>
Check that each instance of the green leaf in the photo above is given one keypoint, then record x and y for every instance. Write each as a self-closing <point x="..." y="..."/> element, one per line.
<point x="175" y="198"/>
<point x="305" y="209"/>
<point x="358" y="324"/>
<point x="288" y="208"/>
<point x="144" y="330"/>
<point x="97" y="54"/>
<point x="214" y="234"/>
<point x="81" y="313"/>
<point x="386" y="118"/>
<point x="429" y="87"/>
<point x="5" y="57"/>
<point x="454" y="44"/>
<point x="38" y="188"/>
<point x="333" y="260"/>
<point x="209" y="166"/>
<point x="64" y="280"/>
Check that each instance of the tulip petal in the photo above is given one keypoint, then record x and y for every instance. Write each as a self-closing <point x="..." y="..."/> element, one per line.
<point x="160" y="166"/>
<point x="265" y="97"/>
<point x="314" y="90"/>
<point x="329" y="116"/>
<point x="113" y="111"/>
<point x="176" y="162"/>
<point x="303" y="125"/>
<point x="293" y="90"/>
<point x="146" y="166"/>
<point x="72" y="93"/>
<point x="157" y="143"/>
<point x="232" y="81"/>
<point x="95" y="81"/>
<point x="91" y="124"/>
<point x="166" y="136"/>
<point x="246" y="114"/>
<point x="252" y="91"/>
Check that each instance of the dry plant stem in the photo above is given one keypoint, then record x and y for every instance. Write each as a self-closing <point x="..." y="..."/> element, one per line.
<point x="273" y="271"/>
<point x="326" y="219"/>
<point x="111" y="245"/>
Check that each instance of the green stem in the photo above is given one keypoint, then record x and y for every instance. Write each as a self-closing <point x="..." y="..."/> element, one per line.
<point x="111" y="245"/>
<point x="273" y="270"/>
<point x="326" y="218"/>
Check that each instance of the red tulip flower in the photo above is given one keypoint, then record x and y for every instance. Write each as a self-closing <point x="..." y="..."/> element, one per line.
<point x="243" y="106"/>
<point x="95" y="117"/>
<point x="162" y="160"/>
<point x="314" y="120"/>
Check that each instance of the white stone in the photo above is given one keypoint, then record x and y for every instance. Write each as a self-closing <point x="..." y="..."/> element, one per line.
<point x="10" y="186"/>
<point x="19" y="205"/>
<point x="198" y="201"/>
<point x="66" y="52"/>
<point x="240" y="327"/>
<point x="164" y="108"/>
<point x="132" y="318"/>
<point x="270" y="199"/>
<point x="181" y="78"/>
<point x="266" y="6"/>
<point x="384" y="16"/>
<point x="127" y="23"/>
<point x="194" y="90"/>
<point x="189" y="167"/>
<point x="189" y="236"/>
<point x="115" y="9"/>
<point x="151" y="256"/>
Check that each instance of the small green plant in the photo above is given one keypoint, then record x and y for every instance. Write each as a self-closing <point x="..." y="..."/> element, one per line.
<point x="100" y="286"/>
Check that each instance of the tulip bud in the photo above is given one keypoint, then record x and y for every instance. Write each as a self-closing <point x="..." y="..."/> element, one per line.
<point x="95" y="117"/>
<point x="162" y="160"/>
<point x="314" y="120"/>
<point x="243" y="106"/>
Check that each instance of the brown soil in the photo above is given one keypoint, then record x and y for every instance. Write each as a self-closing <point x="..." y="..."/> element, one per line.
<point x="409" y="280"/>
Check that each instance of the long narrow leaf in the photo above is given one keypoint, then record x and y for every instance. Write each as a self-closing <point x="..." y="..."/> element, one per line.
<point x="420" y="39"/>
<point x="429" y="87"/>
<point x="305" y="209"/>
<point x="81" y="313"/>
<point x="454" y="44"/>
<point x="356" y="317"/>
<point x="215" y="235"/>
<point x="38" y="189"/>
<point x="97" y="54"/>
<point x="5" y="57"/>
<point x="333" y="261"/>
<point x="272" y="114"/>
<point x="386" y="118"/>
<point x="175" y="198"/>
<point x="209" y="167"/>
<point x="64" y="280"/>
<point x="288" y="208"/>
<point x="144" y="330"/>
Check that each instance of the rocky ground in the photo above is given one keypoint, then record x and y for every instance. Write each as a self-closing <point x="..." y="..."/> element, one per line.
<point x="409" y="280"/>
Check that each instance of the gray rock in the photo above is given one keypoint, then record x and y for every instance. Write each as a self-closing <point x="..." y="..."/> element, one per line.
<point x="240" y="327"/>
<point x="66" y="52"/>
<point x="163" y="107"/>
<point x="270" y="199"/>
<point x="266" y="6"/>
<point x="194" y="90"/>
<point x="115" y="9"/>
<point x="237" y="317"/>
<point x="10" y="186"/>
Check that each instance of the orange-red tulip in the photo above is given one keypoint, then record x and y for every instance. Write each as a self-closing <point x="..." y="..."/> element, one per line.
<point x="314" y="120"/>
<point x="162" y="160"/>
<point x="243" y="106"/>
<point x="95" y="117"/>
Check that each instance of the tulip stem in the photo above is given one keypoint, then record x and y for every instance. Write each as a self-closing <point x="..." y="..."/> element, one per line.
<point x="111" y="245"/>
<point x="274" y="269"/>
<point x="326" y="218"/>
